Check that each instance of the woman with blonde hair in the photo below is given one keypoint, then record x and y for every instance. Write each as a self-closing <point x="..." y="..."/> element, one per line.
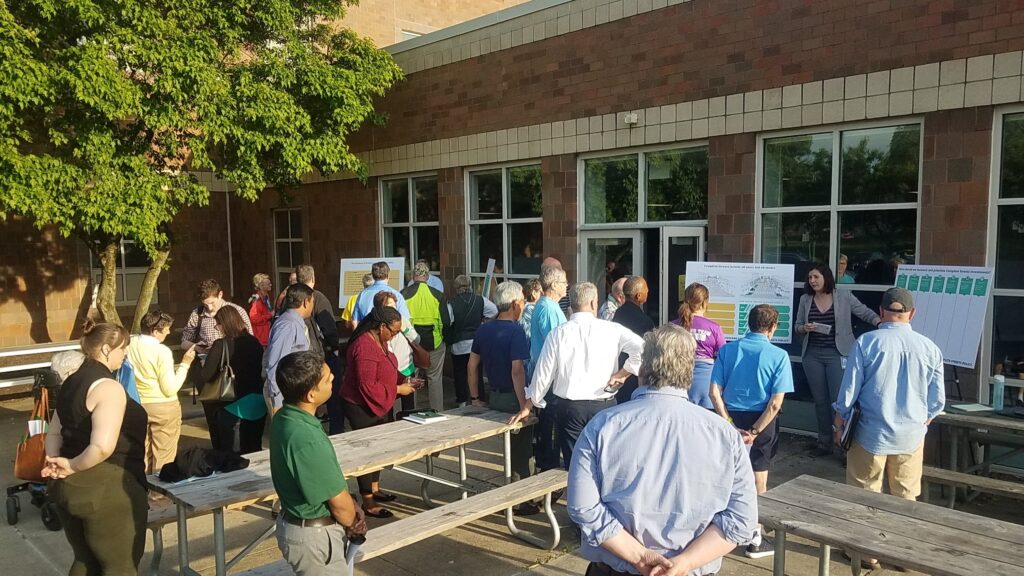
<point x="709" y="337"/>
<point x="261" y="309"/>
<point x="95" y="454"/>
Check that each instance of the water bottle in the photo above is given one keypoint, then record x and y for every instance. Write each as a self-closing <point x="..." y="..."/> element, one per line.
<point x="998" y="389"/>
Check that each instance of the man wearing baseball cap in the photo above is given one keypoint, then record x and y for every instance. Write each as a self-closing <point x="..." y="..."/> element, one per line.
<point x="895" y="375"/>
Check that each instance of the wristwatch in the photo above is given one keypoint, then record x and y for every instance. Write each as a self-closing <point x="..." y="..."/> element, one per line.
<point x="754" y="431"/>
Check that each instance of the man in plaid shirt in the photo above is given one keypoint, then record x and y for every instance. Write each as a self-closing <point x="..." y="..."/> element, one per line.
<point x="201" y="329"/>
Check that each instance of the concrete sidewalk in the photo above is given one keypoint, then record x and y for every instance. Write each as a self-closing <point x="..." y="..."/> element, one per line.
<point x="482" y="547"/>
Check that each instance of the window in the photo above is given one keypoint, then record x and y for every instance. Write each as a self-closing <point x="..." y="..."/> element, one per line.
<point x="849" y="192"/>
<point x="132" y="265"/>
<point x="506" y="221"/>
<point x="1007" y="350"/>
<point x="653" y="186"/>
<point x="288" y="243"/>
<point x="409" y="220"/>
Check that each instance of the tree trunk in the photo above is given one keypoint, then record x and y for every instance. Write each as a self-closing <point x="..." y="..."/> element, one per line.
<point x="149" y="287"/>
<point x="109" y="252"/>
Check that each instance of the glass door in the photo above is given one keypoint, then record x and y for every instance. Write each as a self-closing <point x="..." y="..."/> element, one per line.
<point x="608" y="255"/>
<point x="679" y="245"/>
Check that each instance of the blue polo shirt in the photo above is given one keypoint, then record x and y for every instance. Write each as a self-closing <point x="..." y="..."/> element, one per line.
<point x="364" y="302"/>
<point x="546" y="317"/>
<point x="750" y="371"/>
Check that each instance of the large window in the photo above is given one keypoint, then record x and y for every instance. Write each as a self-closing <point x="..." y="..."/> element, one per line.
<point x="409" y="220"/>
<point x="132" y="264"/>
<point x="1008" y="220"/>
<point x="506" y="221"/>
<point x="851" y="193"/>
<point x="646" y="187"/>
<point x="288" y="243"/>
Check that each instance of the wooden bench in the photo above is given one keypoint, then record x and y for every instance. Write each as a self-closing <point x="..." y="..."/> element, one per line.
<point x="406" y="531"/>
<point x="1005" y="488"/>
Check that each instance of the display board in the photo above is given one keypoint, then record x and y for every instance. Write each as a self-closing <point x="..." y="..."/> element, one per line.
<point x="350" y="281"/>
<point x="736" y="287"/>
<point x="951" y="303"/>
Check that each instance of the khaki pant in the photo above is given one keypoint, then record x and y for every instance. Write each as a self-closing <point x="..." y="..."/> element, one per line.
<point x="903" y="471"/>
<point x="162" y="434"/>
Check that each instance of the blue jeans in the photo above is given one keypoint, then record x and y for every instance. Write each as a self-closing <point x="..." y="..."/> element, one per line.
<point x="700" y="388"/>
<point x="824" y="370"/>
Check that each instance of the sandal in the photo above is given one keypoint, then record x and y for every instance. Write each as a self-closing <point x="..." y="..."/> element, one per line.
<point x="380" y="513"/>
<point x="384" y="497"/>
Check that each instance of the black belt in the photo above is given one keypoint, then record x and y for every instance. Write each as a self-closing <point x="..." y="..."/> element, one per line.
<point x="310" y="522"/>
<point x="608" y="399"/>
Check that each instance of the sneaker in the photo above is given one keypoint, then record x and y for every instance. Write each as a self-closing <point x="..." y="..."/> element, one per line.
<point x="762" y="550"/>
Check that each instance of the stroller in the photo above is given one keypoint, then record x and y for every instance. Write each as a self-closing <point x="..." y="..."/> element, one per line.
<point x="43" y="379"/>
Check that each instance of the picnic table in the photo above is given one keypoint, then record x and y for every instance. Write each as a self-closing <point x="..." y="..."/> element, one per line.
<point x="904" y="533"/>
<point x="980" y="429"/>
<point x="359" y="452"/>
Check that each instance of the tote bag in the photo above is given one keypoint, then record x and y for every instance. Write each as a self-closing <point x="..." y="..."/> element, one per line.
<point x="222" y="387"/>
<point x="31" y="453"/>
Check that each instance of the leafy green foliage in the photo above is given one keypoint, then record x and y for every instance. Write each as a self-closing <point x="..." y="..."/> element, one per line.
<point x="108" y="107"/>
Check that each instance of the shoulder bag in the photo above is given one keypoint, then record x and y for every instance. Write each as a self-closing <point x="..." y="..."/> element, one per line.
<point x="30" y="457"/>
<point x="222" y="387"/>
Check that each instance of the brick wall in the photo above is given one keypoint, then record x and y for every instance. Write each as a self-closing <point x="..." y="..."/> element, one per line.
<point x="200" y="251"/>
<point x="731" y="173"/>
<point x="698" y="49"/>
<point x="955" y="186"/>
<point x="558" y="189"/>
<point x="451" y="200"/>
<point x="44" y="284"/>
<point x="383" y="20"/>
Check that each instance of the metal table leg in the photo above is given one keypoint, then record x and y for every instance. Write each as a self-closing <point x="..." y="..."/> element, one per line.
<point x="463" y="475"/>
<point x="779" y="564"/>
<point x="158" y="550"/>
<point x="556" y="534"/>
<point x="425" y="485"/>
<point x="183" y="561"/>
<point x="824" y="558"/>
<point x="954" y="464"/>
<point x="218" y="542"/>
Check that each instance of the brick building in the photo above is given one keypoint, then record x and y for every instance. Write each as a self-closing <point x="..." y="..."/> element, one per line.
<point x="652" y="132"/>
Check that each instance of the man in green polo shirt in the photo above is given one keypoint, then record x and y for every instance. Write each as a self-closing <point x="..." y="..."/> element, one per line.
<point x="315" y="501"/>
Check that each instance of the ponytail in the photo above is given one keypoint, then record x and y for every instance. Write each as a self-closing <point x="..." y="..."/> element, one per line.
<point x="694" y="298"/>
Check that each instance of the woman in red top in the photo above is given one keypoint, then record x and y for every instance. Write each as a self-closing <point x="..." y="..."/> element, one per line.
<point x="369" y="389"/>
<point x="261" y="312"/>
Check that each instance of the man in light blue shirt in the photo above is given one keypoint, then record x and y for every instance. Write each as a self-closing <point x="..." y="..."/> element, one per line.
<point x="682" y="502"/>
<point x="364" y="302"/>
<point x="895" y="375"/>
<point x="748" y="384"/>
<point x="547" y="315"/>
<point x="432" y="281"/>
<point x="289" y="333"/>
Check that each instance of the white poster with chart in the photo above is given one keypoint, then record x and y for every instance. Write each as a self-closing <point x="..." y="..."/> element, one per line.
<point x="736" y="287"/>
<point x="352" y="270"/>
<point x="951" y="303"/>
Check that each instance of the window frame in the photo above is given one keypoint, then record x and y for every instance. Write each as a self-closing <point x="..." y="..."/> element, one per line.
<point x="504" y="221"/>
<point x="991" y="241"/>
<point x="640" y="152"/>
<point x="834" y="208"/>
<point x="278" y="268"/>
<point x="412" y="224"/>
<point x="121" y="273"/>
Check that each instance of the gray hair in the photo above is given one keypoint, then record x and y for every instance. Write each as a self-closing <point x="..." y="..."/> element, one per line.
<point x="631" y="287"/>
<point x="580" y="294"/>
<point x="367" y="280"/>
<point x="667" y="359"/>
<point x="617" y="287"/>
<point x="66" y="363"/>
<point x="421" y="270"/>
<point x="506" y="294"/>
<point x="463" y="283"/>
<point x="550" y="275"/>
<point x="304" y="273"/>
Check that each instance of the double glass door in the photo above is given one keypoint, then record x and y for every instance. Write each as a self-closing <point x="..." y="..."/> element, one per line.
<point x="658" y="254"/>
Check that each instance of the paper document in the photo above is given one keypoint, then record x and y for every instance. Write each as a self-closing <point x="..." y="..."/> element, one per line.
<point x="36" y="427"/>
<point x="969" y="408"/>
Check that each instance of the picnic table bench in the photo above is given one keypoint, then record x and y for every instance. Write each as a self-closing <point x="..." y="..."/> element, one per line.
<point x="978" y="429"/>
<point x="387" y="446"/>
<point x="908" y="534"/>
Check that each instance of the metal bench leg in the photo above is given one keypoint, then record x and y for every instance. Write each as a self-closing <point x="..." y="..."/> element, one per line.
<point x="824" y="558"/>
<point x="425" y="485"/>
<point x="183" y="566"/>
<point x="855" y="566"/>
<point x="158" y="550"/>
<point x="463" y="475"/>
<point x="218" y="542"/>
<point x="954" y="464"/>
<point x="779" y="565"/>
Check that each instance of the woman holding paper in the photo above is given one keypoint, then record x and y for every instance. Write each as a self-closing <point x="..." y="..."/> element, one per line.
<point x="824" y="319"/>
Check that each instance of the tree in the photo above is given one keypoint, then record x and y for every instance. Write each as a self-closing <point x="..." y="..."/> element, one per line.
<point x="108" y="107"/>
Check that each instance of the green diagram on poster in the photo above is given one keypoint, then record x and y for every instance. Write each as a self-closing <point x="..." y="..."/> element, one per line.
<point x="951" y="303"/>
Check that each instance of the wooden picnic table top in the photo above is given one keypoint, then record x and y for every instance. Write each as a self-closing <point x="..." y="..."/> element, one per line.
<point x="359" y="452"/>
<point x="988" y="420"/>
<point x="912" y="535"/>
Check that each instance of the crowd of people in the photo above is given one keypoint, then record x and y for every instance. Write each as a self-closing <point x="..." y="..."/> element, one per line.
<point x="601" y="378"/>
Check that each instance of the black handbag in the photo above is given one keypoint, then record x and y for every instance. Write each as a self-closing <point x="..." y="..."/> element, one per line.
<point x="222" y="387"/>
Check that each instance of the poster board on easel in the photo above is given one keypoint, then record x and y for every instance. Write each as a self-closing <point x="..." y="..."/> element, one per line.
<point x="951" y="303"/>
<point x="350" y="280"/>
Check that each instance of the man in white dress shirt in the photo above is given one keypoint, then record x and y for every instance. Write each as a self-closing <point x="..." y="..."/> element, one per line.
<point x="580" y="364"/>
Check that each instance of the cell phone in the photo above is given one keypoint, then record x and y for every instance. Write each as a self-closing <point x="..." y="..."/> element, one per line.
<point x="416" y="383"/>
